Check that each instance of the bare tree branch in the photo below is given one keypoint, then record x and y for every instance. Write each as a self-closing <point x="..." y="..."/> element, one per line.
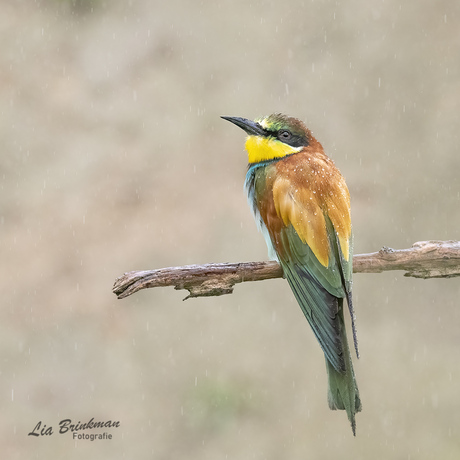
<point x="425" y="259"/>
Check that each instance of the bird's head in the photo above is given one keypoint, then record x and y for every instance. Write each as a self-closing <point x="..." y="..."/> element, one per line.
<point x="273" y="137"/>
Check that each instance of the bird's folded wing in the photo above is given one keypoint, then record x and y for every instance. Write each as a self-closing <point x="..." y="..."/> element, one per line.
<point x="311" y="246"/>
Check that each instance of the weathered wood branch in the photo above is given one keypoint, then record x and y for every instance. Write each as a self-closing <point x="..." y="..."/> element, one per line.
<point x="425" y="259"/>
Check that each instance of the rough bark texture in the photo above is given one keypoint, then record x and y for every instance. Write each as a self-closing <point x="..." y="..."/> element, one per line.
<point x="425" y="259"/>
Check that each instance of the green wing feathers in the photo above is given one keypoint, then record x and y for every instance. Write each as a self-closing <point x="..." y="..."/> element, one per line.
<point x="320" y="292"/>
<point x="311" y="284"/>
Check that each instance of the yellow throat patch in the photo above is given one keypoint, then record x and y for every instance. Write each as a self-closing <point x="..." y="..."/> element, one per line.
<point x="267" y="148"/>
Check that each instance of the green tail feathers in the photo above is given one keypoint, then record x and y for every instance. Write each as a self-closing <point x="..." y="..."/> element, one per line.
<point x="343" y="391"/>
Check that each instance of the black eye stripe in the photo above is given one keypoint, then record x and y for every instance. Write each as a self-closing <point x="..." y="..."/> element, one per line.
<point x="295" y="140"/>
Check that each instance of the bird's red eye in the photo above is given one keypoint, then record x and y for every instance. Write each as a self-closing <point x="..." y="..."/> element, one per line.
<point x="284" y="134"/>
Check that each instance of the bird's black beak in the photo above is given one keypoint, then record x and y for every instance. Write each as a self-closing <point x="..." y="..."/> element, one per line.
<point x="251" y="127"/>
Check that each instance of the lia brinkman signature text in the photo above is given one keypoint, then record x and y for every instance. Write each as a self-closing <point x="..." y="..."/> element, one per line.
<point x="66" y="426"/>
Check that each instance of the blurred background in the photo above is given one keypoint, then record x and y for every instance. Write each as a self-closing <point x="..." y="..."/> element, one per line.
<point x="114" y="158"/>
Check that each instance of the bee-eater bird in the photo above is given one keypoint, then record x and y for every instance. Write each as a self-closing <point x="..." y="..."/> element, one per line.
<point x="302" y="206"/>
